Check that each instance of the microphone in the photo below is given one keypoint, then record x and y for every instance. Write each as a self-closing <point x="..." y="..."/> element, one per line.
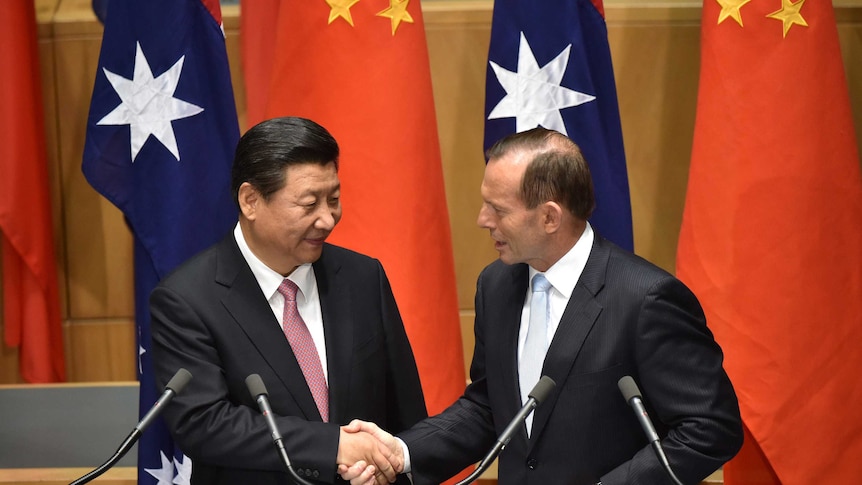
<point x="175" y="385"/>
<point x="632" y="395"/>
<point x="258" y="392"/>
<point x="536" y="396"/>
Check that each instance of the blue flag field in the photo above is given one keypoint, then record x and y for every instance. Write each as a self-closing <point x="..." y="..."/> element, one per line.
<point x="549" y="65"/>
<point x="160" y="139"/>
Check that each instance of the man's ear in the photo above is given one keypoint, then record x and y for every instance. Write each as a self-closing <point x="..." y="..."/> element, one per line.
<point x="248" y="198"/>
<point x="552" y="216"/>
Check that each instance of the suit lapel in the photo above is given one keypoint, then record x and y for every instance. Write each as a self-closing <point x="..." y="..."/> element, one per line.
<point x="514" y="288"/>
<point x="251" y="311"/>
<point x="578" y="319"/>
<point x="336" y="305"/>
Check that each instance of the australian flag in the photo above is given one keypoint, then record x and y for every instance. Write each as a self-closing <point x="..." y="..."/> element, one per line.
<point x="549" y="65"/>
<point x="160" y="139"/>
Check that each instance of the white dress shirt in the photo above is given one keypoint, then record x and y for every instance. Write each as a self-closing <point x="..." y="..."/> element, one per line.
<point x="563" y="276"/>
<point x="307" y="298"/>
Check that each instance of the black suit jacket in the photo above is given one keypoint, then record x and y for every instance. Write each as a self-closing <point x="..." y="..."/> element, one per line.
<point x="211" y="318"/>
<point x="625" y="317"/>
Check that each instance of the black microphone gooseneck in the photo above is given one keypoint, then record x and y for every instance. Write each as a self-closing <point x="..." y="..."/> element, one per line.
<point x="258" y="392"/>
<point x="175" y="385"/>
<point x="632" y="395"/>
<point x="536" y="396"/>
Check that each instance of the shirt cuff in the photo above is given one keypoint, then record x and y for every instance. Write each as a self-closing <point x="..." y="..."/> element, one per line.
<point x="406" y="451"/>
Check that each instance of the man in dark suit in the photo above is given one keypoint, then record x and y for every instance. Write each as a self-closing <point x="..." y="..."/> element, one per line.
<point x="331" y="349"/>
<point x="603" y="313"/>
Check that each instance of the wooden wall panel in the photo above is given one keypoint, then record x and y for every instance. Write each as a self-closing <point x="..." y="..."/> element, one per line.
<point x="458" y="50"/>
<point x="850" y="35"/>
<point x="655" y="49"/>
<point x="98" y="243"/>
<point x="101" y="350"/>
<point x="656" y="55"/>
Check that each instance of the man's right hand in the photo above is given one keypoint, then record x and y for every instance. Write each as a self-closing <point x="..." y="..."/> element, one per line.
<point x="376" y="469"/>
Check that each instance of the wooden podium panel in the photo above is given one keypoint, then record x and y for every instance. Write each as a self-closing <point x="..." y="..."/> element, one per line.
<point x="63" y="476"/>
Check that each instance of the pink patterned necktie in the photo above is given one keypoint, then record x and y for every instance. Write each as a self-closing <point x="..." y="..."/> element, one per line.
<point x="303" y="348"/>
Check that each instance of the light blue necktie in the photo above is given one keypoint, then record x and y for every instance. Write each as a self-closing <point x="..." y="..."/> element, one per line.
<point x="536" y="345"/>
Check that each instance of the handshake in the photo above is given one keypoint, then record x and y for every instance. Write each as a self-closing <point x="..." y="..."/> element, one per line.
<point x="368" y="455"/>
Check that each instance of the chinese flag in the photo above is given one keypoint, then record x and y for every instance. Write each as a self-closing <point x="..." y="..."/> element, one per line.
<point x="771" y="239"/>
<point x="31" y="306"/>
<point x="361" y="70"/>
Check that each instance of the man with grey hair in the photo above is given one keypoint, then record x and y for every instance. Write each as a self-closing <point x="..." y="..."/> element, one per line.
<point x="564" y="302"/>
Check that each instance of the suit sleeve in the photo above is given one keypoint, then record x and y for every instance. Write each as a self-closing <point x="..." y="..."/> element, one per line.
<point x="208" y="420"/>
<point x="445" y="444"/>
<point x="685" y="388"/>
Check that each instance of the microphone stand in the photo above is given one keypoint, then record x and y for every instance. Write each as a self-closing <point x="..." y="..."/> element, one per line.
<point x="632" y="394"/>
<point x="258" y="391"/>
<point x="121" y="451"/>
<point x="175" y="385"/>
<point x="536" y="396"/>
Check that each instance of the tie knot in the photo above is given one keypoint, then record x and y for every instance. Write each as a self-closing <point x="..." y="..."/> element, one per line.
<point x="288" y="289"/>
<point x="540" y="283"/>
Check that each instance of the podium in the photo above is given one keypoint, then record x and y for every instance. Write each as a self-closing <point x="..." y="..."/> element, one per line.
<point x="52" y="434"/>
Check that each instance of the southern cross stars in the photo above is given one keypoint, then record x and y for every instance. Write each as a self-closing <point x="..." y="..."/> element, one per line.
<point x="534" y="95"/>
<point x="164" y="475"/>
<point x="148" y="104"/>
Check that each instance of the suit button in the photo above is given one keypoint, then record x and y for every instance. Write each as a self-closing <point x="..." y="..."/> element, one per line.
<point x="315" y="474"/>
<point x="532" y="463"/>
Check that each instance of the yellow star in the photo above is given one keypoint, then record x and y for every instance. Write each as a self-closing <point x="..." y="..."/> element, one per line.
<point x="789" y="14"/>
<point x="341" y="8"/>
<point x="730" y="8"/>
<point x="397" y="12"/>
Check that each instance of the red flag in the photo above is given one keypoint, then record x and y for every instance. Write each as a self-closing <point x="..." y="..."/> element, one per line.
<point x="771" y="239"/>
<point x="258" y="24"/>
<point x="31" y="304"/>
<point x="361" y="70"/>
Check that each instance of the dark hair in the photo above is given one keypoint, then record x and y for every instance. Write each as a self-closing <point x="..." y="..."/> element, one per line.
<point x="557" y="172"/>
<point x="269" y="147"/>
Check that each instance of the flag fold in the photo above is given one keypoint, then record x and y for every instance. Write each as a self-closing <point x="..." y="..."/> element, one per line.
<point x="771" y="240"/>
<point x="160" y="139"/>
<point x="361" y="70"/>
<point x="32" y="318"/>
<point x="549" y="65"/>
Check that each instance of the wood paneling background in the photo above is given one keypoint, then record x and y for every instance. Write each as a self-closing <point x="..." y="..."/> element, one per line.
<point x="655" y="49"/>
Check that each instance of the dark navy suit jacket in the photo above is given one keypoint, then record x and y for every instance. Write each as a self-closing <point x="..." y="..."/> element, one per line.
<point x="211" y="318"/>
<point x="625" y="317"/>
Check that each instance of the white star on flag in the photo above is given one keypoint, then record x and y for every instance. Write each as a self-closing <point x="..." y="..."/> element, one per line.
<point x="184" y="471"/>
<point x="148" y="104"/>
<point x="534" y="95"/>
<point x="165" y="474"/>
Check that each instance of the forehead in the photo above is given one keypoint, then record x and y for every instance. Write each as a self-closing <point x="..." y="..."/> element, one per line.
<point x="309" y="174"/>
<point x="505" y="173"/>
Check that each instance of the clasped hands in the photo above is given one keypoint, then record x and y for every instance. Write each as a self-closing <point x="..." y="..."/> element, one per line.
<point x="368" y="455"/>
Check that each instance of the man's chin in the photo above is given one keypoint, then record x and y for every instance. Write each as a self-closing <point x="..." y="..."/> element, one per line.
<point x="312" y="253"/>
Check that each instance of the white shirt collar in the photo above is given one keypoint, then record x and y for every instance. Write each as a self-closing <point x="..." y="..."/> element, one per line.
<point x="564" y="274"/>
<point x="268" y="279"/>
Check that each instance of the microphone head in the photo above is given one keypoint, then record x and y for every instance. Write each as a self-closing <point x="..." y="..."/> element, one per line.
<point x="542" y="389"/>
<point x="179" y="381"/>
<point x="629" y="388"/>
<point x="255" y="386"/>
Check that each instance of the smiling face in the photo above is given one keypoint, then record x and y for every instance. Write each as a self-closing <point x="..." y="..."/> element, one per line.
<point x="518" y="232"/>
<point x="289" y="228"/>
